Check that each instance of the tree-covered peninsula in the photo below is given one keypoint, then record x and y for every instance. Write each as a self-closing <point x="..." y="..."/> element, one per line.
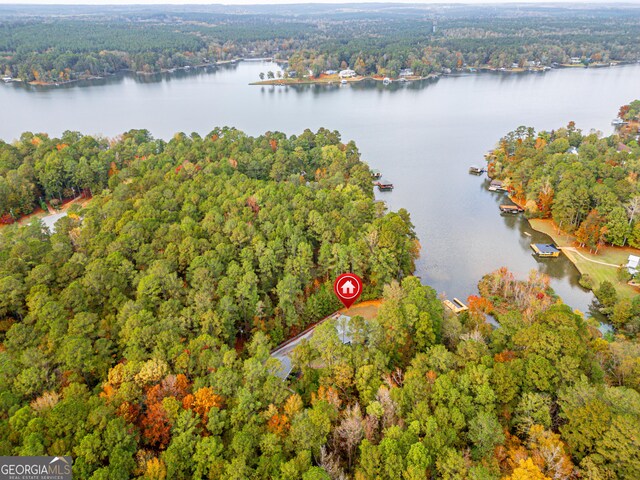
<point x="136" y="337"/>
<point x="587" y="186"/>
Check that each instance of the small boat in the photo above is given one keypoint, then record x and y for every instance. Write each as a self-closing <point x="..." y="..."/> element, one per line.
<point x="511" y="209"/>
<point x="376" y="174"/>
<point x="475" y="170"/>
<point x="617" y="122"/>
<point x="386" y="81"/>
<point x="7" y="79"/>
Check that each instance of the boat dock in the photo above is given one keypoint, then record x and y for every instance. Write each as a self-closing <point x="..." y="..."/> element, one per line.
<point x="497" y="186"/>
<point x="456" y="306"/>
<point x="384" y="186"/>
<point x="545" y="250"/>
<point x="514" y="209"/>
<point x="475" y="170"/>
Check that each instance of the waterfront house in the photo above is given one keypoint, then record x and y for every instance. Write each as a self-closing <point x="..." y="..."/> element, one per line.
<point x="573" y="151"/>
<point x="545" y="250"/>
<point x="348" y="73"/>
<point x="282" y="353"/>
<point x="632" y="264"/>
<point x="575" y="60"/>
<point x="330" y="72"/>
<point x="406" y="72"/>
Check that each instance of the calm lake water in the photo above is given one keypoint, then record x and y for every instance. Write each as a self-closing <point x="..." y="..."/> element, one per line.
<point x="422" y="136"/>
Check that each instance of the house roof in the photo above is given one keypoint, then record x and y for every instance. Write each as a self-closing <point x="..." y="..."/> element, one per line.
<point x="633" y="261"/>
<point x="342" y="327"/>
<point x="623" y="148"/>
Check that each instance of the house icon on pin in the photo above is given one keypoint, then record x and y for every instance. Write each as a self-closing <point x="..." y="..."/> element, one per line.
<point x="347" y="288"/>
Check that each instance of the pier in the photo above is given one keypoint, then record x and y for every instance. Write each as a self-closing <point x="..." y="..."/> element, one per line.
<point x="513" y="209"/>
<point x="456" y="306"/>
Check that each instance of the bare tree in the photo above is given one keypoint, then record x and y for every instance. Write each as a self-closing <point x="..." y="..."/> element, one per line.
<point x="633" y="207"/>
<point x="331" y="464"/>
<point x="351" y="430"/>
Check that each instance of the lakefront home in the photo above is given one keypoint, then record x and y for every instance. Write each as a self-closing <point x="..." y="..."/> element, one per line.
<point x="348" y="73"/>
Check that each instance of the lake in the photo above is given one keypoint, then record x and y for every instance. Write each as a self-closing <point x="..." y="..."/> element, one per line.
<point x="423" y="136"/>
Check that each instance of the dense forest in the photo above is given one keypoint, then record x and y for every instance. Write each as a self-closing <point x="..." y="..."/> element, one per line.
<point x="80" y="42"/>
<point x="587" y="184"/>
<point x="136" y="337"/>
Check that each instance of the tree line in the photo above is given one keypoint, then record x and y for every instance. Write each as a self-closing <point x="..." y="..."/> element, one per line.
<point x="51" y="49"/>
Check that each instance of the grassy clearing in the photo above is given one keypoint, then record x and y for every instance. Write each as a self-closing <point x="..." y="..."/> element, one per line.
<point x="586" y="261"/>
<point x="368" y="310"/>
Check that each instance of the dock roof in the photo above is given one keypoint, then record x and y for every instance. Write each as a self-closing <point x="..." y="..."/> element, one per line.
<point x="546" y="248"/>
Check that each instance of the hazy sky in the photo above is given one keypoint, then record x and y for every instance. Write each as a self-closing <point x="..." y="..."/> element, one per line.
<point x="271" y="2"/>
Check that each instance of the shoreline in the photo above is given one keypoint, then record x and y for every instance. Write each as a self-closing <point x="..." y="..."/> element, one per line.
<point x="327" y="80"/>
<point x="38" y="83"/>
<point x="324" y="80"/>
<point x="600" y="267"/>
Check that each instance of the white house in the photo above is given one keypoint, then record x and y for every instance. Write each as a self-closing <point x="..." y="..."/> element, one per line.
<point x="348" y="73"/>
<point x="632" y="264"/>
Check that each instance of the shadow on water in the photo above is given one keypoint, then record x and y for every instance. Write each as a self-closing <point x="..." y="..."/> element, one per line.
<point x="335" y="87"/>
<point x="560" y="268"/>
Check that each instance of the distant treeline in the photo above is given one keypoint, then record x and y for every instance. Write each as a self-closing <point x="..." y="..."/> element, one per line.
<point x="61" y="49"/>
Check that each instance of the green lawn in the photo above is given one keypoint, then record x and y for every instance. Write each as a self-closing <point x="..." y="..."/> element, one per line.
<point x="599" y="273"/>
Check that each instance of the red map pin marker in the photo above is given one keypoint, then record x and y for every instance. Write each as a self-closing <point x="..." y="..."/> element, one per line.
<point x="347" y="288"/>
